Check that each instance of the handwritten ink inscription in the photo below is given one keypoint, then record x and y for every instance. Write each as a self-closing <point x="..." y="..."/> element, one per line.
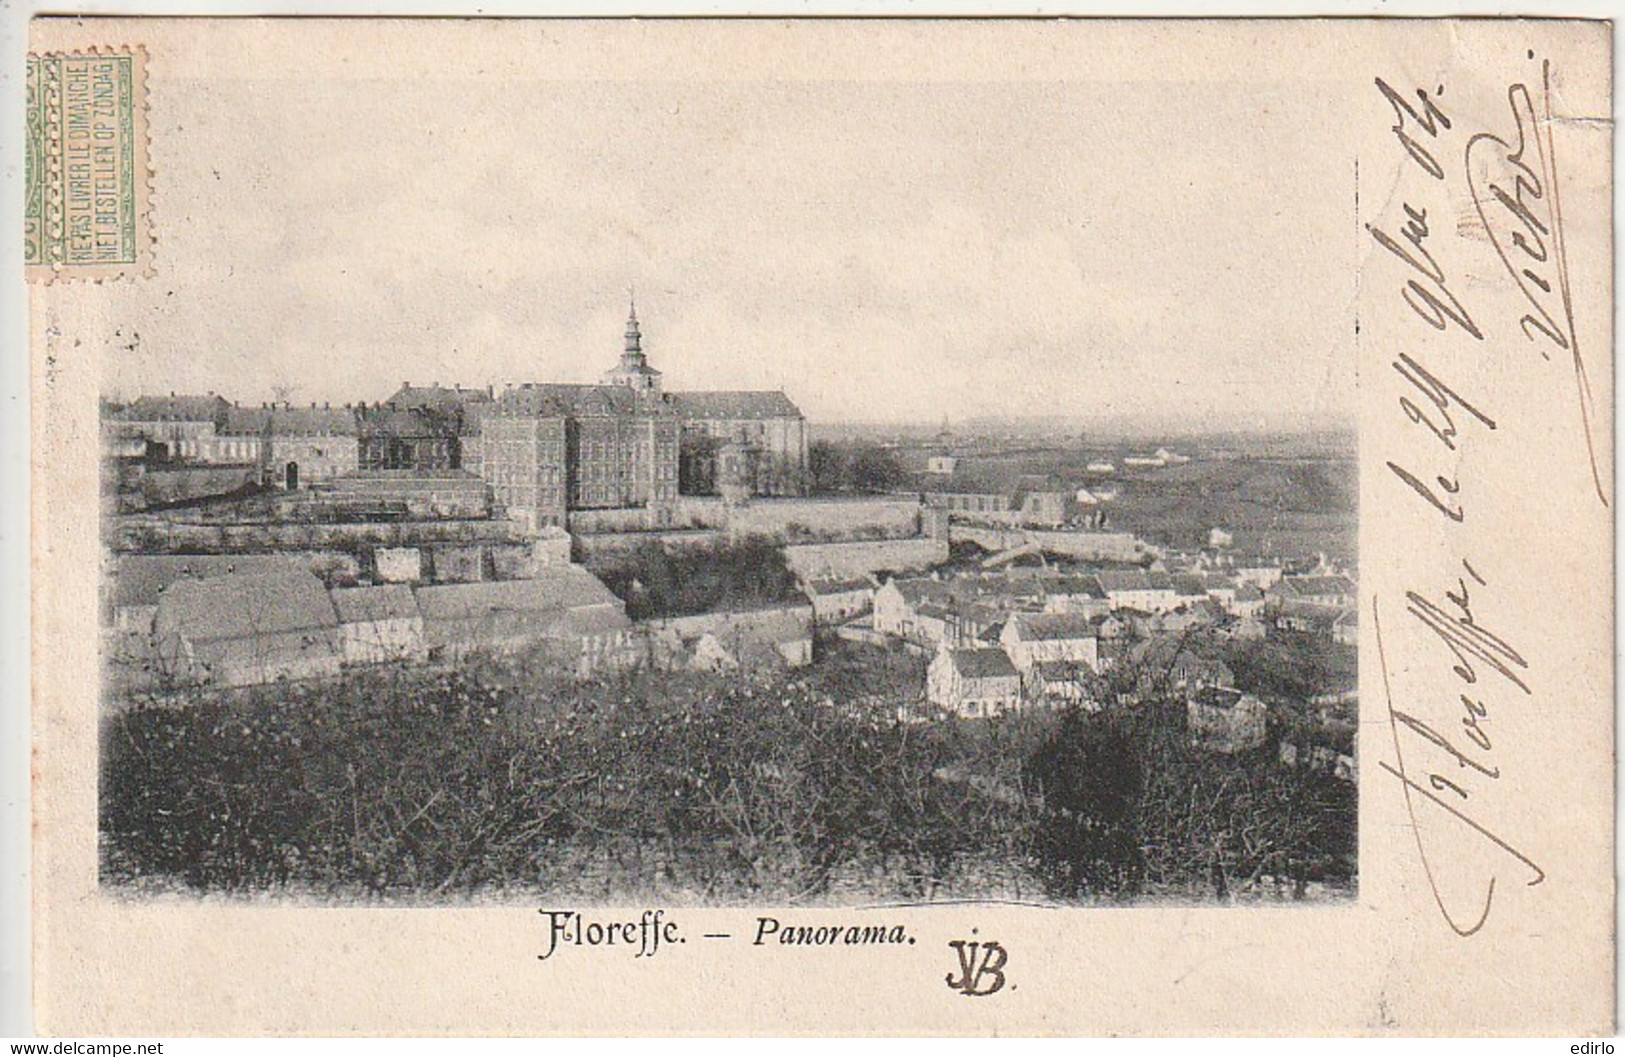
<point x="1448" y="760"/>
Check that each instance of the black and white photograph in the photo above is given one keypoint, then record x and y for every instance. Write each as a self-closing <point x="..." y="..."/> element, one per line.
<point x="820" y="526"/>
<point x="864" y="514"/>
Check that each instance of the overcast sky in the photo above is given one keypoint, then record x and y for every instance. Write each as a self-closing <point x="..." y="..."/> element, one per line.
<point x="880" y="251"/>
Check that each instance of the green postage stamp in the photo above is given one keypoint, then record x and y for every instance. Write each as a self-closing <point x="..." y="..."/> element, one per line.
<point x="87" y="182"/>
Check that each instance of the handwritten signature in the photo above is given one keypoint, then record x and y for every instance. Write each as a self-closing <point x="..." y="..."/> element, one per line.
<point x="1514" y="188"/>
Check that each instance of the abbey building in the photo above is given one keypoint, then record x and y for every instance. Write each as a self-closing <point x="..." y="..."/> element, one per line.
<point x="549" y="448"/>
<point x="544" y="448"/>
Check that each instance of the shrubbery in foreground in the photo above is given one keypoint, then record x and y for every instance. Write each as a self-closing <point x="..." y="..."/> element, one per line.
<point x="789" y="787"/>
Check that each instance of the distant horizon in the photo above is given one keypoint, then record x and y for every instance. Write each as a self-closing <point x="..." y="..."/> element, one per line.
<point x="1120" y="426"/>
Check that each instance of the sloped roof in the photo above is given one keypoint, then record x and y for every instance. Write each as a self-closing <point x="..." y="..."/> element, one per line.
<point x="246" y="420"/>
<point x="438" y="397"/>
<point x="531" y="401"/>
<point x="982" y="662"/>
<point x="553" y="589"/>
<point x="1053" y="626"/>
<point x="361" y="605"/>
<point x="552" y="399"/>
<point x="1317" y="586"/>
<point x="393" y="422"/>
<point x="1075" y="586"/>
<point x="999" y="587"/>
<point x="1167" y="650"/>
<point x="566" y="600"/>
<point x="246" y="606"/>
<point x="736" y="404"/>
<point x="1123" y="580"/>
<point x="173" y="408"/>
<point x="627" y="367"/>
<point x="916" y="589"/>
<point x="1315" y="613"/>
<point x="313" y="421"/>
<point x="141" y="578"/>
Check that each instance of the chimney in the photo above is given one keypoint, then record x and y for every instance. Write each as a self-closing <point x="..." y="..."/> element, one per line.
<point x="172" y="392"/>
<point x="325" y="405"/>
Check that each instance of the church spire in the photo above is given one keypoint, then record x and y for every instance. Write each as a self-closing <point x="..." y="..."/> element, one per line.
<point x="634" y="371"/>
<point x="634" y="337"/>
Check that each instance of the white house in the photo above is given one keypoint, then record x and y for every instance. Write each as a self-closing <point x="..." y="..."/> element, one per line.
<point x="896" y="602"/>
<point x="973" y="682"/>
<point x="1259" y="573"/>
<point x="1033" y="638"/>
<point x="1075" y="594"/>
<point x="1331" y="591"/>
<point x="1135" y="589"/>
<point x="837" y="600"/>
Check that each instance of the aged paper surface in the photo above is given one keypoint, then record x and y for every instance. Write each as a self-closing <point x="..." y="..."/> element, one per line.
<point x="932" y="606"/>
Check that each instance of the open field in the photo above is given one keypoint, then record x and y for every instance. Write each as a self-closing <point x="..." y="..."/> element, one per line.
<point x="1276" y="503"/>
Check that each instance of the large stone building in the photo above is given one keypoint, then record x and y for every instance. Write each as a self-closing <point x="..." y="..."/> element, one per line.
<point x="544" y="448"/>
<point x="547" y="449"/>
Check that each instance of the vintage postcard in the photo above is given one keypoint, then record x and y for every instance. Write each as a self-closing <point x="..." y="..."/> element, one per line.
<point x="903" y="527"/>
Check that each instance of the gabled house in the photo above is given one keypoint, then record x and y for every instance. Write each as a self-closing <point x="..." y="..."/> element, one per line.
<point x="1033" y="638"/>
<point x="1332" y="591"/>
<point x="835" y="600"/>
<point x="974" y="682"/>
<point x="1135" y="589"/>
<point x="1075" y="594"/>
